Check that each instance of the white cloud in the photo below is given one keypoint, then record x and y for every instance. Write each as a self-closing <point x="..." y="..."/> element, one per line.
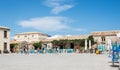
<point x="59" y="9"/>
<point x="58" y="5"/>
<point x="50" y="24"/>
<point x="79" y="29"/>
<point x="46" y="23"/>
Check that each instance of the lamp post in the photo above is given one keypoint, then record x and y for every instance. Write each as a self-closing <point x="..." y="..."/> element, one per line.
<point x="118" y="35"/>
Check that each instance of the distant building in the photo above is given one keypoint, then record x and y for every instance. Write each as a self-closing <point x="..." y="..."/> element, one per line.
<point x="30" y="37"/>
<point x="27" y="39"/>
<point x="47" y="42"/>
<point x="105" y="37"/>
<point x="102" y="37"/>
<point x="4" y="39"/>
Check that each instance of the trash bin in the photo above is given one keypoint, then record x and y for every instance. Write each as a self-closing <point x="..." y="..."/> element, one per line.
<point x="97" y="52"/>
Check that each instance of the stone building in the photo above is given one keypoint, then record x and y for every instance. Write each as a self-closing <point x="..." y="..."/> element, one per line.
<point x="30" y="37"/>
<point x="47" y="42"/>
<point x="103" y="37"/>
<point x="100" y="37"/>
<point x="4" y="39"/>
<point x="26" y="40"/>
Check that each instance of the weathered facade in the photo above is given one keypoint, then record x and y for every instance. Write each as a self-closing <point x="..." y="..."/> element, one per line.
<point x="26" y="40"/>
<point x="4" y="39"/>
<point x="47" y="42"/>
<point x="100" y="37"/>
<point x="30" y="37"/>
<point x="103" y="37"/>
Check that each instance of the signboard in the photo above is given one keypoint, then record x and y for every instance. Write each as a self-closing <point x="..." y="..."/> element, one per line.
<point x="115" y="50"/>
<point x="115" y="56"/>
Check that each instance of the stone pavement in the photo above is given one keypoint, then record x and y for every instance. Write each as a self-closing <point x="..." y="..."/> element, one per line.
<point x="55" y="62"/>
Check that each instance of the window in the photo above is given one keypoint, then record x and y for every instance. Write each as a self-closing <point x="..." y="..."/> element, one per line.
<point x="5" y="34"/>
<point x="5" y="46"/>
<point x="18" y="36"/>
<point x="103" y="39"/>
<point x="25" y="36"/>
<point x="32" y="35"/>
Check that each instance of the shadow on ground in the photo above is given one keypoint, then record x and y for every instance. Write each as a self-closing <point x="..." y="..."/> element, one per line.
<point x="114" y="65"/>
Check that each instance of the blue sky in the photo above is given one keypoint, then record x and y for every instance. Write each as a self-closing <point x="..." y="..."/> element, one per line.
<point x="60" y="17"/>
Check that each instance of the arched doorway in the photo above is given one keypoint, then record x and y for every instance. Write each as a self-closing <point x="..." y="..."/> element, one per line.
<point x="61" y="47"/>
<point x="71" y="45"/>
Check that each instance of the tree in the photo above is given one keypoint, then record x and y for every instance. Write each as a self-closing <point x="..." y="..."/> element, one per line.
<point x="92" y="40"/>
<point x="82" y="42"/>
<point x="37" y="45"/>
<point x="55" y="42"/>
<point x="15" y="46"/>
<point x="63" y="43"/>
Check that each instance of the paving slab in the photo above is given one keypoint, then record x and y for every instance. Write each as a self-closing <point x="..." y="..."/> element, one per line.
<point x="64" y="61"/>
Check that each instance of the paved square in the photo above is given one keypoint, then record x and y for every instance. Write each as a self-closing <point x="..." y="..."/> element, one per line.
<point x="55" y="62"/>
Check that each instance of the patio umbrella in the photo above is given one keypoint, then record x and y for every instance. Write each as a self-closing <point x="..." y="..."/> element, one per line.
<point x="85" y="44"/>
<point x="89" y="44"/>
<point x="109" y="44"/>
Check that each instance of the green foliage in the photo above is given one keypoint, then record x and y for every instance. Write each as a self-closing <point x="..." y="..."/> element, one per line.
<point x="15" y="46"/>
<point x="81" y="48"/>
<point x="37" y="45"/>
<point x="92" y="40"/>
<point x="66" y="42"/>
<point x="59" y="42"/>
<point x="55" y="42"/>
<point x="82" y="42"/>
<point x="76" y="42"/>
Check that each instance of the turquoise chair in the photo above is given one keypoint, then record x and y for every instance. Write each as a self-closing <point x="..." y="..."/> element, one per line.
<point x="103" y="48"/>
<point x="72" y="50"/>
<point x="41" y="51"/>
<point x="60" y="50"/>
<point x="32" y="51"/>
<point x="50" y="50"/>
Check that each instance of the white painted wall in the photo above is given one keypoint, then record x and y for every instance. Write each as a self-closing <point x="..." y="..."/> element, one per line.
<point x="49" y="45"/>
<point x="29" y="37"/>
<point x="2" y="39"/>
<point x="97" y="39"/>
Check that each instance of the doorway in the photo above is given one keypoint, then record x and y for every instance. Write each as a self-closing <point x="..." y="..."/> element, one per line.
<point x="5" y="48"/>
<point x="61" y="47"/>
<point x="71" y="45"/>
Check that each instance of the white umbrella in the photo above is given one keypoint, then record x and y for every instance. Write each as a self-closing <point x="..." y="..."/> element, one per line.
<point x="85" y="44"/>
<point x="89" y="44"/>
<point x="109" y="44"/>
<point x="118" y="35"/>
